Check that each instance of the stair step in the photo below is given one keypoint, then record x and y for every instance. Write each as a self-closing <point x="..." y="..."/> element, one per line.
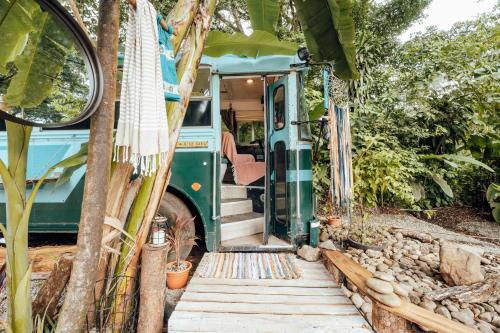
<point x="235" y="207"/>
<point x="233" y="192"/>
<point x="241" y="225"/>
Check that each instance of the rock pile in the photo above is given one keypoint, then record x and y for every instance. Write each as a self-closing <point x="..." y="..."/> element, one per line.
<point x="413" y="269"/>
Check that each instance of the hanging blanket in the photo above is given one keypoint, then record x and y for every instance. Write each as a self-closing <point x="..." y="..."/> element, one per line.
<point x="167" y="59"/>
<point x="245" y="169"/>
<point x="142" y="134"/>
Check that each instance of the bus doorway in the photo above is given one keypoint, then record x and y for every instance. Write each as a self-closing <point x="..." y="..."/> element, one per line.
<point x="245" y="166"/>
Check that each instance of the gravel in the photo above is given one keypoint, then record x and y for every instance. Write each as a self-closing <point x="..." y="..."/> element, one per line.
<point x="412" y="223"/>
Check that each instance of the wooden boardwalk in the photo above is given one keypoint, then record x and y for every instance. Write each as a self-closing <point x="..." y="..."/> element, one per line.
<point x="312" y="304"/>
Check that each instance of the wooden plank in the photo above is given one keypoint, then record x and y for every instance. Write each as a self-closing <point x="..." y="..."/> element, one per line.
<point x="264" y="282"/>
<point x="263" y="299"/>
<point x="216" y="322"/>
<point x="275" y="308"/>
<point x="387" y="322"/>
<point x="263" y="290"/>
<point x="358" y="275"/>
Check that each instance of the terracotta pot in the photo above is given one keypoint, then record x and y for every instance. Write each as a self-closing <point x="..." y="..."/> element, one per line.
<point x="334" y="221"/>
<point x="178" y="280"/>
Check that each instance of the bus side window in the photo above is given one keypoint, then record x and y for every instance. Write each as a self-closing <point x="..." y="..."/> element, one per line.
<point x="199" y="110"/>
<point x="303" y="112"/>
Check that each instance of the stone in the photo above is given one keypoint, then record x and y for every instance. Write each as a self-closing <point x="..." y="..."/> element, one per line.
<point x="366" y="308"/>
<point x="380" y="286"/>
<point x="484" y="327"/>
<point x="496" y="322"/>
<point x="309" y="253"/>
<point x="429" y="305"/>
<point x="400" y="289"/>
<point x="485" y="261"/>
<point x="346" y="291"/>
<point x="323" y="236"/>
<point x="357" y="300"/>
<point x="383" y="276"/>
<point x="443" y="311"/>
<point x="486" y="316"/>
<point x="459" y="267"/>
<point x="406" y="262"/>
<point x="452" y="307"/>
<point x="399" y="236"/>
<point x="382" y="267"/>
<point x="391" y="300"/>
<point x="464" y="316"/>
<point x="327" y="245"/>
<point x="373" y="254"/>
<point x="414" y="298"/>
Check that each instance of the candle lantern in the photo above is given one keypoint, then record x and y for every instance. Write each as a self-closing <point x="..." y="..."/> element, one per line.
<point x="158" y="230"/>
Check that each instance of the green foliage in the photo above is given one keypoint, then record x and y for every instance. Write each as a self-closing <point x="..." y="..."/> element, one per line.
<point x="328" y="28"/>
<point x="263" y="14"/>
<point x="259" y="43"/>
<point x="15" y="24"/>
<point x="382" y="174"/>
<point x="493" y="197"/>
<point x="39" y="64"/>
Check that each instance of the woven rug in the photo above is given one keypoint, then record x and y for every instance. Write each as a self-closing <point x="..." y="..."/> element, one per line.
<point x="248" y="266"/>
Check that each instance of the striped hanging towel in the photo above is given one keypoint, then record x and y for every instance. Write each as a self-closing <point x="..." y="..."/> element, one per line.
<point x="142" y="133"/>
<point x="167" y="59"/>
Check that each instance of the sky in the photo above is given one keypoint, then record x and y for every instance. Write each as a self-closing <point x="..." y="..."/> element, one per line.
<point x="444" y="13"/>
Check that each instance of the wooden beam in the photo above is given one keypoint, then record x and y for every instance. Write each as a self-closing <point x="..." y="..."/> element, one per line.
<point x="413" y="313"/>
<point x="387" y="322"/>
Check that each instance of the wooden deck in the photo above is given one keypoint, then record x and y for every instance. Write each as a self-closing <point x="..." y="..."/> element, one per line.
<point x="311" y="304"/>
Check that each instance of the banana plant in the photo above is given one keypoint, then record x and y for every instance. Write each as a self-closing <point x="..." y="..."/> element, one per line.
<point x="13" y="175"/>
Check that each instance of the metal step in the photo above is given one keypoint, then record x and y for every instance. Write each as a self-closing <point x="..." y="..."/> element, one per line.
<point x="235" y="207"/>
<point x="233" y="192"/>
<point x="241" y="225"/>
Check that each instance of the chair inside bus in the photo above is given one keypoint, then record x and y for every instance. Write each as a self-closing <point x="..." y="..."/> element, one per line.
<point x="242" y="113"/>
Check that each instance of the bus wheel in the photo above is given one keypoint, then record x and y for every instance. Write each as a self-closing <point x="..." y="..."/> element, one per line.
<point x="172" y="207"/>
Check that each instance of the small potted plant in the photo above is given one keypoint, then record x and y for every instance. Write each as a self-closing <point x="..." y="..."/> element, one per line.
<point x="333" y="217"/>
<point x="178" y="236"/>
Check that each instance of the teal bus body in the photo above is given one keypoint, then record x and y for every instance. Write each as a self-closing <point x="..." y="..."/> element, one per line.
<point x="195" y="169"/>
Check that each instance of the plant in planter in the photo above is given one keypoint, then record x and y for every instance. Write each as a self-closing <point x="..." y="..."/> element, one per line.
<point x="364" y="235"/>
<point x="178" y="236"/>
<point x="333" y="214"/>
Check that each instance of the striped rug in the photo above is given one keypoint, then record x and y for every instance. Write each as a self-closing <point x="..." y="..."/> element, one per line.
<point x="248" y="266"/>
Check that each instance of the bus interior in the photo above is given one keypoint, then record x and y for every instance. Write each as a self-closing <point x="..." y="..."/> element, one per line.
<point x="244" y="162"/>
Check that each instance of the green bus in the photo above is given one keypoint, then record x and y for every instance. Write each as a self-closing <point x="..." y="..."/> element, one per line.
<point x="258" y="106"/>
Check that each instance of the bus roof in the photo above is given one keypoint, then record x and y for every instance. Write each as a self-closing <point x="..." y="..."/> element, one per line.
<point x="231" y="64"/>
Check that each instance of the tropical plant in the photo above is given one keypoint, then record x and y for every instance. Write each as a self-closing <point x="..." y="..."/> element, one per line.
<point x="16" y="232"/>
<point x="263" y="40"/>
<point x="493" y="197"/>
<point x="177" y="236"/>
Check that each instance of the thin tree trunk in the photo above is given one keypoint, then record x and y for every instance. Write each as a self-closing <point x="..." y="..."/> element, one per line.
<point x="47" y="298"/>
<point x="154" y="186"/>
<point x="81" y="284"/>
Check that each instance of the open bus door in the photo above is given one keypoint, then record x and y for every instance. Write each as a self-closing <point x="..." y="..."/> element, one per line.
<point x="278" y="142"/>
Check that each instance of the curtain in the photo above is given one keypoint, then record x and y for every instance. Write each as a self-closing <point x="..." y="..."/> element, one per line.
<point x="229" y="119"/>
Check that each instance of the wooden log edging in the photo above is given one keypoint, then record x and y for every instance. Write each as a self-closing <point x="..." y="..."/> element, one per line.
<point x="386" y="319"/>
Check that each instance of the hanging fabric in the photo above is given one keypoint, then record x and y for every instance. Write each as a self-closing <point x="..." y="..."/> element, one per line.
<point x="142" y="133"/>
<point x="167" y="59"/>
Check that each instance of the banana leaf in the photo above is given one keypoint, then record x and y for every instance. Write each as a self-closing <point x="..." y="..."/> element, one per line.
<point x="15" y="24"/>
<point x="259" y="43"/>
<point x="263" y="14"/>
<point x="328" y="27"/>
<point x="39" y="64"/>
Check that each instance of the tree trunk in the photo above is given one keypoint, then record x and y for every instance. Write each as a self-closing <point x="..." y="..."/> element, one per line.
<point x="153" y="287"/>
<point x="481" y="292"/>
<point x="154" y="186"/>
<point x="47" y="298"/>
<point x="81" y="284"/>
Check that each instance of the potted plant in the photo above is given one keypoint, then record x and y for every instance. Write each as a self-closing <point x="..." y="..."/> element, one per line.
<point x="333" y="217"/>
<point x="363" y="235"/>
<point x="177" y="236"/>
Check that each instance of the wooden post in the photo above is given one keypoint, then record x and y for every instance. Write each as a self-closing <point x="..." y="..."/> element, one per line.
<point x="153" y="287"/>
<point x="336" y="273"/>
<point x="48" y="296"/>
<point x="384" y="321"/>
